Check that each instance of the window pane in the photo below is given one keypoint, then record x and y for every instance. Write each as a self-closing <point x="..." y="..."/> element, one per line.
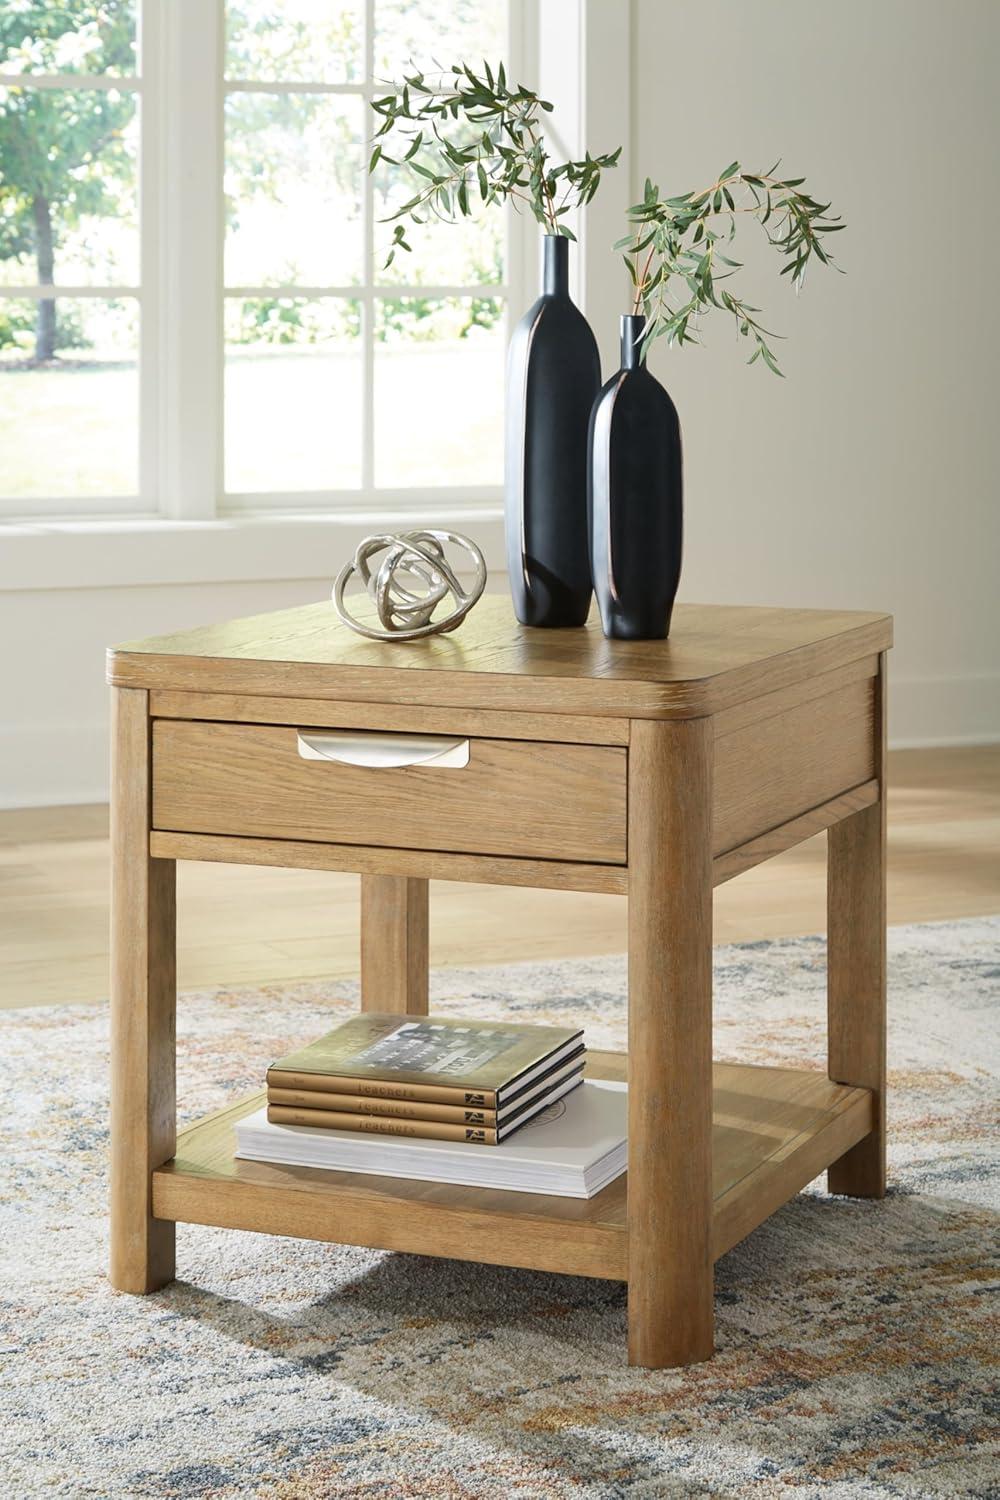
<point x="293" y="395"/>
<point x="439" y="391"/>
<point x="75" y="36"/>
<point x="293" y="190"/>
<point x="69" y="420"/>
<point x="424" y="30"/>
<point x="68" y="205"/>
<point x="468" y="252"/>
<point x="310" y="41"/>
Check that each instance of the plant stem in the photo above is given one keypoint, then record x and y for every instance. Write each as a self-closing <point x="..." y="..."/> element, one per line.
<point x="549" y="211"/>
<point x="708" y="213"/>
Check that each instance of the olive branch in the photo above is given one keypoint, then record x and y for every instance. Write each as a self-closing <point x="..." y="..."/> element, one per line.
<point x="501" y="157"/>
<point x="672" y="242"/>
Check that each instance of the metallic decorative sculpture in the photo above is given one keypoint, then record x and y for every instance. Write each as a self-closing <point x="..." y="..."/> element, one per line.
<point x="409" y="582"/>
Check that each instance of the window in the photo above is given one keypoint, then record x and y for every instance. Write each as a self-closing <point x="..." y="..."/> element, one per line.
<point x="69" y="256"/>
<point x="251" y="353"/>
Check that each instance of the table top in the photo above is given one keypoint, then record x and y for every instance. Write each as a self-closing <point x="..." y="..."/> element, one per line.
<point x="717" y="655"/>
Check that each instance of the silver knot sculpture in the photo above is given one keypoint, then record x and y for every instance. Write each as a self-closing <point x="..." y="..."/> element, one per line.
<point x="407" y="575"/>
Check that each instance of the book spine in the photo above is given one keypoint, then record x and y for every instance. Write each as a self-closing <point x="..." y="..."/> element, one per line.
<point x="397" y="1109"/>
<point x="368" y="1088"/>
<point x="285" y="1114"/>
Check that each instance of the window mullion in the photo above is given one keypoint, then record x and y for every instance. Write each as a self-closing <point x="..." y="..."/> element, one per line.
<point x="522" y="256"/>
<point x="127" y="82"/>
<point x="150" y="43"/>
<point x="189" y="273"/>
<point x="368" y="266"/>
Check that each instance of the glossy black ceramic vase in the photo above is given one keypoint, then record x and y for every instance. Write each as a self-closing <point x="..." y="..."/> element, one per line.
<point x="635" y="498"/>
<point x="553" y="376"/>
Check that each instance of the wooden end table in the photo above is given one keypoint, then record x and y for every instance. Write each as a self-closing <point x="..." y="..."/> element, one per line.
<point x="652" y="769"/>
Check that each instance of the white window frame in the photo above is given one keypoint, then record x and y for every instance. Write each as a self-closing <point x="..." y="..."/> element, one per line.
<point x="577" y="50"/>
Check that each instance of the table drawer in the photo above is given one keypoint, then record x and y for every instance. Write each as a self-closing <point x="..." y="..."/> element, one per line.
<point x="512" y="797"/>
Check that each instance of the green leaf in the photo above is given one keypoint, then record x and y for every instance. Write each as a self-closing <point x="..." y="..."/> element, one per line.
<point x="373" y="159"/>
<point x="770" y="361"/>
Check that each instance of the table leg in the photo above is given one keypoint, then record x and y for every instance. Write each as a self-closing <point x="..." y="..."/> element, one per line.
<point x="670" y="1043"/>
<point x="394" y="911"/>
<point x="143" y="1007"/>
<point x="856" y="919"/>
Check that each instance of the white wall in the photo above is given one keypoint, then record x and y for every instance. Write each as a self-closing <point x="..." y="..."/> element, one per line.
<point x="53" y="734"/>
<point x="868" y="477"/>
<point x="865" y="479"/>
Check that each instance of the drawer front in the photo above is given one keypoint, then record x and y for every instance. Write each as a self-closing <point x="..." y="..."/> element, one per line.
<point x="513" y="797"/>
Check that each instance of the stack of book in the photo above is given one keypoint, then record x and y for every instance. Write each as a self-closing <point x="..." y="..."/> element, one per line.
<point x="475" y="1082"/>
<point x="572" y="1150"/>
<point x="396" y="1096"/>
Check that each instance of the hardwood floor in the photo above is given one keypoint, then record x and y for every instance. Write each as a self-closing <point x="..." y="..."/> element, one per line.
<point x="240" y="925"/>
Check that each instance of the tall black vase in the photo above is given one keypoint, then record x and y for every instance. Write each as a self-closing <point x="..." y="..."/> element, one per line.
<point x="635" y="498"/>
<point x="553" y="375"/>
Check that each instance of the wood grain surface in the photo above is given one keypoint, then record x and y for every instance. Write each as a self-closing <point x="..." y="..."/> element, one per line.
<point x="394" y="953"/>
<point x="413" y="719"/>
<point x="776" y="769"/>
<point x="856" y="970"/>
<point x="774" y="1130"/>
<point x="514" y="797"/>
<point x="539" y="874"/>
<point x="717" y="656"/>
<point x="670" y="1305"/>
<point x="143" y="1003"/>
<point x="483" y="869"/>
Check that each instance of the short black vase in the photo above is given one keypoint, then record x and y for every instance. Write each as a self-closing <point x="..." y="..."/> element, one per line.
<point x="553" y="375"/>
<point x="635" y="498"/>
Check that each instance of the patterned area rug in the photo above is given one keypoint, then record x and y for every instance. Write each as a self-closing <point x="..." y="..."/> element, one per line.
<point x="856" y="1355"/>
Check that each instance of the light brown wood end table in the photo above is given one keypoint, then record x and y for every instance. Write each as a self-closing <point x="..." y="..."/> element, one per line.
<point x="653" y="769"/>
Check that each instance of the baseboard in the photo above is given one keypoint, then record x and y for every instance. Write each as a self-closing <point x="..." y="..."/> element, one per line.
<point x="57" y="765"/>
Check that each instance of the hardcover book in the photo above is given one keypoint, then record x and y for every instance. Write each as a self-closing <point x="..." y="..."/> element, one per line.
<point x="430" y="1058"/>
<point x="541" y="1088"/>
<point x="471" y="1129"/>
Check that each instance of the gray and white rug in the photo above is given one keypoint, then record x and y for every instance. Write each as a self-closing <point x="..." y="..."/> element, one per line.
<point x="857" y="1342"/>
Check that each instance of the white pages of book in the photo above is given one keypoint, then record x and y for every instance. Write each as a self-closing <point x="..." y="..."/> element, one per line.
<point x="572" y="1149"/>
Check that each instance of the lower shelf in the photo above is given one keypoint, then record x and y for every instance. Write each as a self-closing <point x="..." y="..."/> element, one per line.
<point x="775" y="1129"/>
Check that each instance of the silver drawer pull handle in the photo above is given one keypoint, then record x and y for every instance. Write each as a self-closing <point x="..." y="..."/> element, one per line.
<point x="383" y="751"/>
